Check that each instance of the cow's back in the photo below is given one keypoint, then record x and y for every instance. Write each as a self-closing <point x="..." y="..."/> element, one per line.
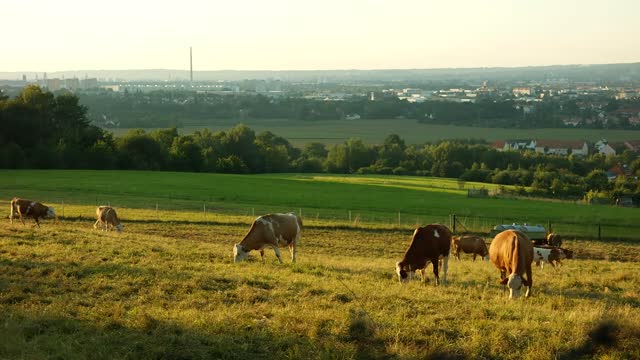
<point x="284" y="226"/>
<point x="511" y="251"/>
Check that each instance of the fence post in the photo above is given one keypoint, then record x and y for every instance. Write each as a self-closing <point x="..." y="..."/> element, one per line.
<point x="599" y="232"/>
<point x="549" y="230"/>
<point x="398" y="218"/>
<point x="204" y="210"/>
<point x="454" y="224"/>
<point x="157" y="217"/>
<point x="349" y="215"/>
<point x="62" y="208"/>
<point x="253" y="213"/>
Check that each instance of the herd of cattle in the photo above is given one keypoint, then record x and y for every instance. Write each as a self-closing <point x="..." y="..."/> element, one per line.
<point x="511" y="251"/>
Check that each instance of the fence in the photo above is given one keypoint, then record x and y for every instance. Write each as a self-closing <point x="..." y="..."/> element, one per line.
<point x="192" y="210"/>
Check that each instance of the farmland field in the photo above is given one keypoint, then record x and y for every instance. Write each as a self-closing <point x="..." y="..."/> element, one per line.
<point x="375" y="131"/>
<point x="167" y="288"/>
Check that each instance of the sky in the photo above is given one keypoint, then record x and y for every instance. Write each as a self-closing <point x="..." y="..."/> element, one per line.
<point x="61" y="35"/>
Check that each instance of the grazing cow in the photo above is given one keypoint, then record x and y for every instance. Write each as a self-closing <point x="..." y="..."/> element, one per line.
<point x="36" y="210"/>
<point x="551" y="255"/>
<point x="554" y="239"/>
<point x="429" y="243"/>
<point x="511" y="252"/>
<point x="469" y="244"/>
<point x="107" y="216"/>
<point x="272" y="230"/>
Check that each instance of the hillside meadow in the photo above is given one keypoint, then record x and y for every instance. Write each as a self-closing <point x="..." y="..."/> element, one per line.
<point x="375" y="131"/>
<point x="167" y="288"/>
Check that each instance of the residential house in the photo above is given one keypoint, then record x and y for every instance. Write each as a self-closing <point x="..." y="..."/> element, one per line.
<point x="602" y="147"/>
<point x="560" y="147"/>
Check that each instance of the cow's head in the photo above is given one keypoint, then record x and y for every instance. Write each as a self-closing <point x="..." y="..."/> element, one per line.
<point x="514" y="282"/>
<point x="239" y="253"/>
<point x="51" y="214"/>
<point x="119" y="228"/>
<point x="403" y="274"/>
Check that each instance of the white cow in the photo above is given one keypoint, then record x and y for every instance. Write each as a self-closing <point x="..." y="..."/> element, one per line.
<point x="107" y="216"/>
<point x="272" y="230"/>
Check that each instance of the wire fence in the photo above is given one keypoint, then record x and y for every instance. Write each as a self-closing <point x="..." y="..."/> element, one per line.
<point x="190" y="210"/>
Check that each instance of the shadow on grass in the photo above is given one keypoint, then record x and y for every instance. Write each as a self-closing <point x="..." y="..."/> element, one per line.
<point x="57" y="337"/>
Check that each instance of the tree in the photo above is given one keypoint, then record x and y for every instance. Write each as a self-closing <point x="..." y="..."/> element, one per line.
<point x="597" y="180"/>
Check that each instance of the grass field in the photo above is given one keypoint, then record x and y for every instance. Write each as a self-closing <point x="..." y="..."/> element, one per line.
<point x="365" y="200"/>
<point x="166" y="288"/>
<point x="375" y="131"/>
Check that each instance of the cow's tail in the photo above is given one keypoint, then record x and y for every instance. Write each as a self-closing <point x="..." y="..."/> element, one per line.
<point x="515" y="260"/>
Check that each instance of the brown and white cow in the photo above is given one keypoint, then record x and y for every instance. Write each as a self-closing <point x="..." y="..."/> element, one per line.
<point x="107" y="215"/>
<point x="469" y="244"/>
<point x="511" y="251"/>
<point x="35" y="210"/>
<point x="429" y="243"/>
<point x="272" y="230"/>
<point x="551" y="255"/>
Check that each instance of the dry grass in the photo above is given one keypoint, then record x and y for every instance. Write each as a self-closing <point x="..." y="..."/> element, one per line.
<point x="169" y="289"/>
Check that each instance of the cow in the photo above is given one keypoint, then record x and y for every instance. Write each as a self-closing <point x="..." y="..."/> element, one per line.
<point x="554" y="239"/>
<point x="36" y="210"/>
<point x="107" y="215"/>
<point x="511" y="252"/>
<point x="429" y="243"/>
<point x="469" y="244"/>
<point x="551" y="255"/>
<point x="271" y="230"/>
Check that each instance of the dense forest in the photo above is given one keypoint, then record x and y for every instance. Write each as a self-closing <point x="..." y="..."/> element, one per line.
<point x="189" y="108"/>
<point x="41" y="130"/>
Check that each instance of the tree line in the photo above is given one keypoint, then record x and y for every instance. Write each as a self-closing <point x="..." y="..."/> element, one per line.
<point x="42" y="130"/>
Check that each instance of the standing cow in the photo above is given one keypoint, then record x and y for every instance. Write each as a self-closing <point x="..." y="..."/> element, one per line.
<point x="272" y="230"/>
<point x="107" y="216"/>
<point x="511" y="251"/>
<point x="554" y="239"/>
<point x="36" y="210"/>
<point x="469" y="244"/>
<point x="429" y="243"/>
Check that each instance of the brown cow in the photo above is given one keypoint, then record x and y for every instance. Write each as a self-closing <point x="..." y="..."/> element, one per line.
<point x="272" y="230"/>
<point x="107" y="216"/>
<point x="554" y="239"/>
<point x="429" y="243"/>
<point x="469" y="244"/>
<point x="511" y="251"/>
<point x="33" y="209"/>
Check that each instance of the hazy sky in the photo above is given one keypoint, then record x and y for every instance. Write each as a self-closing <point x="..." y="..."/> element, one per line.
<point x="53" y="35"/>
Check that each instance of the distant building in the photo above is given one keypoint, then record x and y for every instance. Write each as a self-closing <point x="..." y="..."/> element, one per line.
<point x="522" y="91"/>
<point x="560" y="147"/>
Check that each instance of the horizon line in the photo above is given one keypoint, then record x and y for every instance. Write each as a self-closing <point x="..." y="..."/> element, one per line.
<point x="335" y="69"/>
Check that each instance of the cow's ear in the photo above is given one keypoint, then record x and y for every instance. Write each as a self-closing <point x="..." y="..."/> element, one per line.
<point x="504" y="281"/>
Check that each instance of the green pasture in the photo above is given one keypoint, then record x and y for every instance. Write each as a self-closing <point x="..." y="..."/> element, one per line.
<point x="167" y="288"/>
<point x="349" y="200"/>
<point x="375" y="131"/>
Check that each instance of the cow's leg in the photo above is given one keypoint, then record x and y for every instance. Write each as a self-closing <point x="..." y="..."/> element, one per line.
<point x="474" y="256"/>
<point x="292" y="250"/>
<point x="37" y="222"/>
<point x="95" y="225"/>
<point x="435" y="263"/>
<point x="529" y="282"/>
<point x="423" y="273"/>
<point x="276" y="249"/>
<point x="262" y="255"/>
<point x="445" y="267"/>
